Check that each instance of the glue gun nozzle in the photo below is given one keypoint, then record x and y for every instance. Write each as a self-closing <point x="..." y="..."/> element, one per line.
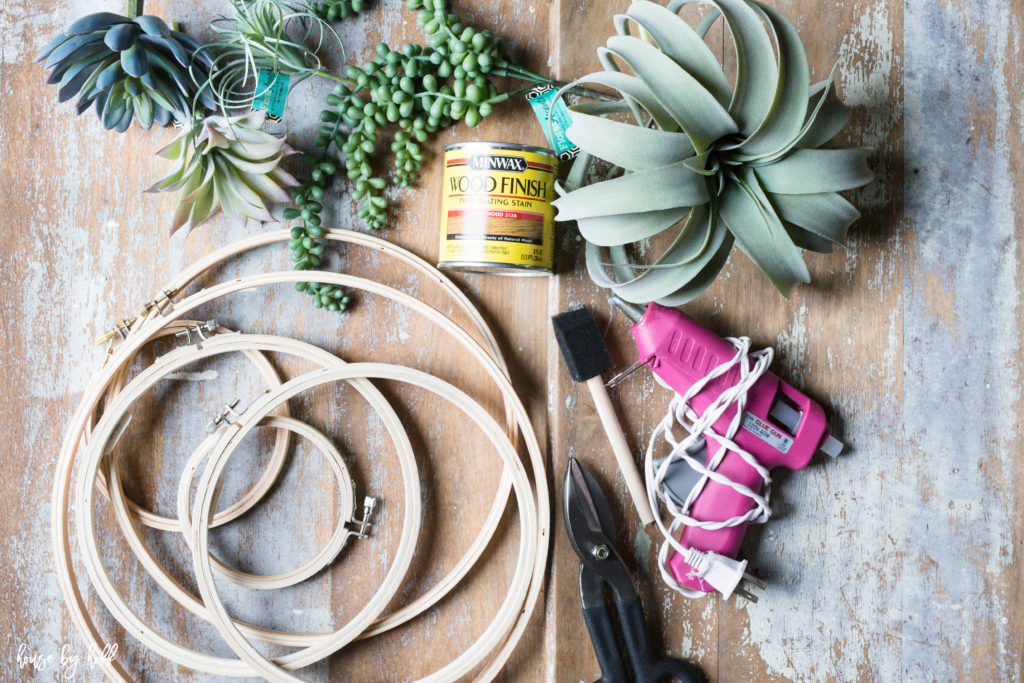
<point x="632" y="312"/>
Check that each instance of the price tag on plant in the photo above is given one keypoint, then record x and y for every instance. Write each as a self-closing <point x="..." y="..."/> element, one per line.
<point x="554" y="118"/>
<point x="271" y="93"/>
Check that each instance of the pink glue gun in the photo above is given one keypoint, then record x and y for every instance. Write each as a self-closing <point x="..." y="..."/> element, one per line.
<point x="780" y="426"/>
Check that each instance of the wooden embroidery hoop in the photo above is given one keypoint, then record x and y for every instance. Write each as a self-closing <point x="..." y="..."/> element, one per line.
<point x="511" y="621"/>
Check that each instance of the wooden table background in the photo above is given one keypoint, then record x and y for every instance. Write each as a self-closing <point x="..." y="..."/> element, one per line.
<point x="900" y="560"/>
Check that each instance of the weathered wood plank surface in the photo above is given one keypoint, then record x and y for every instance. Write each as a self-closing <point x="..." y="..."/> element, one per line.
<point x="899" y="561"/>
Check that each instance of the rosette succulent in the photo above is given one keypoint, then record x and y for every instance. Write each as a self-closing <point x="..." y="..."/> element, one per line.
<point x="715" y="162"/>
<point x="129" y="68"/>
<point x="226" y="163"/>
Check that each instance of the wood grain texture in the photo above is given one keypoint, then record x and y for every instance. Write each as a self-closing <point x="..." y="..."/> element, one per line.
<point x="899" y="561"/>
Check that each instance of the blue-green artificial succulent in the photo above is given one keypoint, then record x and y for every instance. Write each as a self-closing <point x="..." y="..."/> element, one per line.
<point x="129" y="68"/>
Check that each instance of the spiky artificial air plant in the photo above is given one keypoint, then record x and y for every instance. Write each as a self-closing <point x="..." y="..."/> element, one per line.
<point x="270" y="35"/>
<point x="129" y="68"/>
<point x="741" y="163"/>
<point x="226" y="163"/>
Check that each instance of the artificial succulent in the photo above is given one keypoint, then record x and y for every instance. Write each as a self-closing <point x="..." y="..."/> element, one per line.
<point x="277" y="36"/>
<point x="129" y="68"/>
<point x="226" y="163"/>
<point x="336" y="10"/>
<point x="745" y="163"/>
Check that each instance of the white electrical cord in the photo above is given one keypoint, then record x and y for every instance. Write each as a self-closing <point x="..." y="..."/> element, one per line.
<point x="721" y="572"/>
<point x="89" y="450"/>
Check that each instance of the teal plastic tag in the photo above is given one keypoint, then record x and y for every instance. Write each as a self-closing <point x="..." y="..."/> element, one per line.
<point x="271" y="93"/>
<point x="554" y="118"/>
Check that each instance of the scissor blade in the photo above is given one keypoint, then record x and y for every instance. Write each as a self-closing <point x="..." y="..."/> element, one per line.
<point x="588" y="519"/>
<point x="586" y="500"/>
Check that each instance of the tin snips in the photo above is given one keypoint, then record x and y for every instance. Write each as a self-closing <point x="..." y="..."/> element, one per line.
<point x="591" y="529"/>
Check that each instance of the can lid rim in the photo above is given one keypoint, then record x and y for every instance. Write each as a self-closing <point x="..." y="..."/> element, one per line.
<point x="512" y="146"/>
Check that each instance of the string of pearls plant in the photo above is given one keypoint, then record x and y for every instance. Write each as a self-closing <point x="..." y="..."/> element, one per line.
<point x="416" y="90"/>
<point x="136" y="67"/>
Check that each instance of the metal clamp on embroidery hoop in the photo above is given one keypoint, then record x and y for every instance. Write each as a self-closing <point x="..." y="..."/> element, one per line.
<point x="227" y="415"/>
<point x="100" y="412"/>
<point x="361" y="528"/>
<point x="160" y="302"/>
<point x="199" y="330"/>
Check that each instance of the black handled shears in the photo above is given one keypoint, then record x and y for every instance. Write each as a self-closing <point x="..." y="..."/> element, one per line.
<point x="591" y="529"/>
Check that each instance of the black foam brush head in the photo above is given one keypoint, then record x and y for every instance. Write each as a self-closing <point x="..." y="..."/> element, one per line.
<point x="581" y="343"/>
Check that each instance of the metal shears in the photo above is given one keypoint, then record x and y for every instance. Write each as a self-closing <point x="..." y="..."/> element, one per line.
<point x="591" y="529"/>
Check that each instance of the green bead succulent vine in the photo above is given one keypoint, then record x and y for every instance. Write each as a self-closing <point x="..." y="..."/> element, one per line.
<point x="336" y="10"/>
<point x="415" y="90"/>
<point x="138" y="68"/>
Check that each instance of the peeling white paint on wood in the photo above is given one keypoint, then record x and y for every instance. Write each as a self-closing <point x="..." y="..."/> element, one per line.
<point x="897" y="561"/>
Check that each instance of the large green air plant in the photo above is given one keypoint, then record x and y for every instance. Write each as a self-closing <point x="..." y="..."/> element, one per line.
<point x="226" y="163"/>
<point x="264" y="35"/>
<point x="713" y="162"/>
<point x="129" y="68"/>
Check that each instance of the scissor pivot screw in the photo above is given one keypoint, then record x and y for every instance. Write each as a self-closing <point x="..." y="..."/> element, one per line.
<point x="601" y="552"/>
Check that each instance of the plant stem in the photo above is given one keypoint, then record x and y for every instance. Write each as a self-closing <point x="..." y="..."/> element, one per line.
<point x="133" y="8"/>
<point x="327" y="74"/>
<point x="516" y="93"/>
<point x="512" y="70"/>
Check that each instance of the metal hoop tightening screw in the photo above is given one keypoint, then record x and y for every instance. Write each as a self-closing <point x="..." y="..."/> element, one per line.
<point x="361" y="527"/>
<point x="224" y="416"/>
<point x="601" y="552"/>
<point x="199" y="330"/>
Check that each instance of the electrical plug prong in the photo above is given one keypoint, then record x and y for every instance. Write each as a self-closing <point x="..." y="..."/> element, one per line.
<point x="745" y="594"/>
<point x="756" y="582"/>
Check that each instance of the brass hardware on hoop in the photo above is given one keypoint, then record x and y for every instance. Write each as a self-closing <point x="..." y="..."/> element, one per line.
<point x="162" y="300"/>
<point x="120" y="330"/>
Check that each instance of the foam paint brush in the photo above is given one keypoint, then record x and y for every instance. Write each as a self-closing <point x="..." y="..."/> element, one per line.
<point x="587" y="357"/>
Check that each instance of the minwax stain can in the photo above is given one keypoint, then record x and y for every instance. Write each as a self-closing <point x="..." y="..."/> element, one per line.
<point x="496" y="215"/>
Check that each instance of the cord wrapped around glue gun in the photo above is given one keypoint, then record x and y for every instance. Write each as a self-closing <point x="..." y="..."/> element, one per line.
<point x="742" y="420"/>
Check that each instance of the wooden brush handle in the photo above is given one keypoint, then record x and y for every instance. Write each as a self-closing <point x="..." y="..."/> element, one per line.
<point x="627" y="465"/>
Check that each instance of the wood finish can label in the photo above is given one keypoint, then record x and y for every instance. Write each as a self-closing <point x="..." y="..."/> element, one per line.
<point x="496" y="214"/>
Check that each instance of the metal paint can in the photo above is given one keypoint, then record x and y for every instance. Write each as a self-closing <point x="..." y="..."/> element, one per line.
<point x="496" y="213"/>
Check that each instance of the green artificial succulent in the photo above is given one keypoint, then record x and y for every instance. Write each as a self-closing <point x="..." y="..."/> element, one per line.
<point x="745" y="163"/>
<point x="226" y="163"/>
<point x="129" y="68"/>
<point x="269" y="35"/>
<point x="413" y="90"/>
<point x="336" y="10"/>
